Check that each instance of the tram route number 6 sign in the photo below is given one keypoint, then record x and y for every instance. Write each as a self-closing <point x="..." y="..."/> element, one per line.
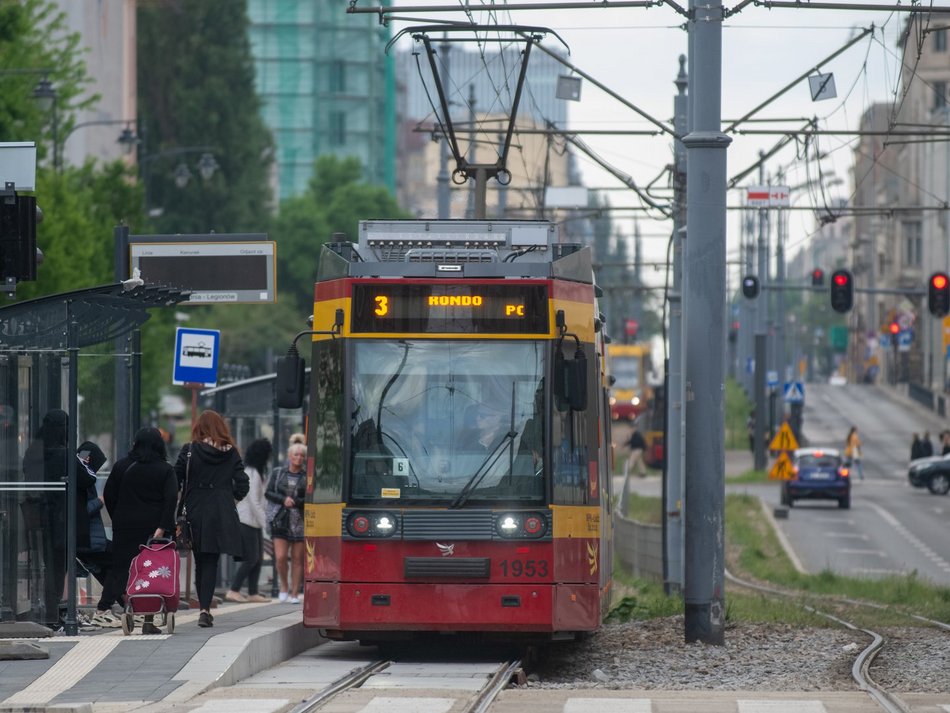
<point x="196" y="356"/>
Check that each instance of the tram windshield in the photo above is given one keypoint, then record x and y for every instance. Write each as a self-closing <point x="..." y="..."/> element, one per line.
<point x="447" y="420"/>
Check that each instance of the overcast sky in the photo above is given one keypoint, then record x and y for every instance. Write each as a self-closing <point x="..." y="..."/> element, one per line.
<point x="635" y="53"/>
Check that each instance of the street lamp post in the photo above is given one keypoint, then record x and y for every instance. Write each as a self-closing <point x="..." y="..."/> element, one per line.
<point x="127" y="137"/>
<point x="46" y="96"/>
<point x="206" y="167"/>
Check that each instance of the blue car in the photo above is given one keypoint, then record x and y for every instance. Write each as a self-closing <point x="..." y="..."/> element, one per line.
<point x="819" y="474"/>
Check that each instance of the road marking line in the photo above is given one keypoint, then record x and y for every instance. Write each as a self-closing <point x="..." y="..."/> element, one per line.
<point x="408" y="705"/>
<point x="911" y="538"/>
<point x="782" y="539"/>
<point x="877" y="553"/>
<point x="781" y="707"/>
<point x="848" y="535"/>
<point x="608" y="705"/>
<point x="242" y="705"/>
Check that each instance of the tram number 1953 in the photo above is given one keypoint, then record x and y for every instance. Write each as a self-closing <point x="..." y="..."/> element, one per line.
<point x="524" y="568"/>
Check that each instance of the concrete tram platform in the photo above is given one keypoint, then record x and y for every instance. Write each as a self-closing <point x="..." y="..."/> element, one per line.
<point x="103" y="671"/>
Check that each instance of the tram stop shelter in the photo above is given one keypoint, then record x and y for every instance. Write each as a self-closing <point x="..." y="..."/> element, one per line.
<point x="41" y="342"/>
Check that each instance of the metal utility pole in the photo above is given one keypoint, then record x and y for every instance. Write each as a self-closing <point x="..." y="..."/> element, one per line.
<point x="470" y="211"/>
<point x="704" y="308"/>
<point x="761" y="319"/>
<point x="123" y="426"/>
<point x="675" y="417"/>
<point x="443" y="179"/>
<point x="781" y="359"/>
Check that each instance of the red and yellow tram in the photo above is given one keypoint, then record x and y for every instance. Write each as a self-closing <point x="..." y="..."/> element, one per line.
<point x="457" y="471"/>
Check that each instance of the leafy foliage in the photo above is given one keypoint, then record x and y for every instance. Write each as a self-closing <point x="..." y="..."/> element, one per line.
<point x="335" y="201"/>
<point x="34" y="45"/>
<point x="196" y="96"/>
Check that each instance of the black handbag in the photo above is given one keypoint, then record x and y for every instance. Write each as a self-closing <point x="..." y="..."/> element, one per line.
<point x="183" y="536"/>
<point x="280" y="525"/>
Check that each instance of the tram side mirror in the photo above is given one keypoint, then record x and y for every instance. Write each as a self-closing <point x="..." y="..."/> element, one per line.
<point x="576" y="378"/>
<point x="290" y="376"/>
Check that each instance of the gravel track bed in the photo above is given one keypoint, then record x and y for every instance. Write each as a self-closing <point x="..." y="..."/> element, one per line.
<point x="756" y="657"/>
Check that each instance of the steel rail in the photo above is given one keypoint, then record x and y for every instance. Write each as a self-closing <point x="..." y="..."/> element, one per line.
<point x="860" y="669"/>
<point x="487" y="695"/>
<point x="344" y="683"/>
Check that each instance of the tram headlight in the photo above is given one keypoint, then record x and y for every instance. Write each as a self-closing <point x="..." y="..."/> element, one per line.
<point x="635" y="400"/>
<point x="521" y="525"/>
<point x="372" y="524"/>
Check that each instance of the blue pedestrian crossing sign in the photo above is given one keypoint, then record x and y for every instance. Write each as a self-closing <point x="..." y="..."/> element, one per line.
<point x="196" y="356"/>
<point x="794" y="392"/>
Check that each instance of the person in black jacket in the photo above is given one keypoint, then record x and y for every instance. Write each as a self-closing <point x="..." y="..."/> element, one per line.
<point x="45" y="460"/>
<point x="285" y="493"/>
<point x="216" y="480"/>
<point x="140" y="496"/>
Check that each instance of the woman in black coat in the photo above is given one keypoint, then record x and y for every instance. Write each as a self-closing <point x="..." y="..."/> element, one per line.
<point x="212" y="474"/>
<point x="140" y="496"/>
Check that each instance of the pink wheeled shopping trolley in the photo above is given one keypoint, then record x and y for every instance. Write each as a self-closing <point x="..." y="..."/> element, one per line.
<point x="153" y="586"/>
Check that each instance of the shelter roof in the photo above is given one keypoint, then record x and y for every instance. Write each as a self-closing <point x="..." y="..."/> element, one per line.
<point x="101" y="313"/>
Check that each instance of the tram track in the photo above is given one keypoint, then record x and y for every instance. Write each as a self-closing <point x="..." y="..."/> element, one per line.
<point x="479" y="701"/>
<point x="861" y="668"/>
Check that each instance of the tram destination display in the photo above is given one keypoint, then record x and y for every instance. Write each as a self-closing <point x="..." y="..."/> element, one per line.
<point x="453" y="308"/>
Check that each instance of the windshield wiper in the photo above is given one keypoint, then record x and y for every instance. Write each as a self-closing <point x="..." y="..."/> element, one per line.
<point x="492" y="456"/>
<point x="484" y="468"/>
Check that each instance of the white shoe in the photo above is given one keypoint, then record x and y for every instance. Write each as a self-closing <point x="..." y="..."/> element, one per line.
<point x="293" y="600"/>
<point x="282" y="597"/>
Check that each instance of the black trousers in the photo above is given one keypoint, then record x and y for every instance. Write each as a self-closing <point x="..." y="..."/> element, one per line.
<point x="252" y="539"/>
<point x="206" y="576"/>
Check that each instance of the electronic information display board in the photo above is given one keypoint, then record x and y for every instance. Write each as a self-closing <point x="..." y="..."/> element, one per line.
<point x="230" y="272"/>
<point x="453" y="308"/>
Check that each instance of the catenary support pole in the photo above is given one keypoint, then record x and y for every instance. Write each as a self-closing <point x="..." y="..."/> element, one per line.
<point x="704" y="308"/>
<point x="673" y="490"/>
<point x="761" y="319"/>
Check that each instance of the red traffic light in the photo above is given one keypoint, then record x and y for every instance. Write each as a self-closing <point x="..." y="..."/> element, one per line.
<point x="939" y="281"/>
<point x="817" y="277"/>
<point x="840" y="279"/>
<point x="894" y="328"/>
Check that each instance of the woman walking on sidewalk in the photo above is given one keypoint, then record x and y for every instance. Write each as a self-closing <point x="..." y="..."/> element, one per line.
<point x="251" y="511"/>
<point x="212" y="474"/>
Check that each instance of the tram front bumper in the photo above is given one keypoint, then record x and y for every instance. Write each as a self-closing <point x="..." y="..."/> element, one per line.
<point x="376" y="606"/>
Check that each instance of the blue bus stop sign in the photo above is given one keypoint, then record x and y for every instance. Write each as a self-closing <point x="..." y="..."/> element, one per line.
<point x="196" y="356"/>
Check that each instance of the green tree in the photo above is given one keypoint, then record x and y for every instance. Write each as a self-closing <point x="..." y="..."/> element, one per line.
<point x="336" y="200"/>
<point x="34" y="45"/>
<point x="196" y="89"/>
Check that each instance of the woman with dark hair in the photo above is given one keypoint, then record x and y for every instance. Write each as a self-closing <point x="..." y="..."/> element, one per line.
<point x="211" y="473"/>
<point x="140" y="496"/>
<point x="253" y="519"/>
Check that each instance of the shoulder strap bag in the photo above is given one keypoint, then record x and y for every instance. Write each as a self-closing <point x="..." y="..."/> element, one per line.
<point x="183" y="539"/>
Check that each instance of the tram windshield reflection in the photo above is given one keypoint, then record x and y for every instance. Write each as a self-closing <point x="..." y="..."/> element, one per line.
<point x="435" y="419"/>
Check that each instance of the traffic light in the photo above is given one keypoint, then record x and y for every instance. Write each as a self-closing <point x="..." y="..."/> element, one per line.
<point x="817" y="277"/>
<point x="938" y="294"/>
<point x="750" y="286"/>
<point x="842" y="290"/>
<point x="894" y="328"/>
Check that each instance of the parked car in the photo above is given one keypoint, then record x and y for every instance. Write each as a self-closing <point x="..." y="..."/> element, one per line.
<point x="819" y="474"/>
<point x="932" y="473"/>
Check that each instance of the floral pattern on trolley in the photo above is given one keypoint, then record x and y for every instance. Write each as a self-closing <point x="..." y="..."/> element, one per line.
<point x="162" y="571"/>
